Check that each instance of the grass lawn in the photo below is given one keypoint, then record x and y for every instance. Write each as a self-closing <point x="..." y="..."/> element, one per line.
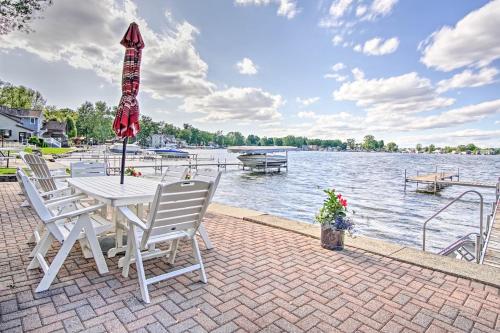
<point x="7" y="171"/>
<point x="51" y="151"/>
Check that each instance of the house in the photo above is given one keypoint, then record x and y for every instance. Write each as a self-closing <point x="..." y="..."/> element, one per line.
<point x="56" y="130"/>
<point x="161" y="140"/>
<point x="13" y="128"/>
<point x="30" y="120"/>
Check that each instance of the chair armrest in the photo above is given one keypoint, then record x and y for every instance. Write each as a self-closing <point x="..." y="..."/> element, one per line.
<point x="129" y="215"/>
<point x="64" y="200"/>
<point x="74" y="213"/>
<point x="58" y="191"/>
<point x="56" y="176"/>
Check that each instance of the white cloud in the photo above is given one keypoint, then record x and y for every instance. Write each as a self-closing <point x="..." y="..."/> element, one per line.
<point x="380" y="8"/>
<point x="246" y="67"/>
<point x="358" y="73"/>
<point x="241" y="104"/>
<point x="473" y="41"/>
<point x="406" y="93"/>
<point x="468" y="78"/>
<point x="377" y="46"/>
<point x="340" y="10"/>
<point x="337" y="39"/>
<point x="86" y="35"/>
<point x="337" y="77"/>
<point x="307" y="101"/>
<point x="286" y="8"/>
<point x="334" y="75"/>
<point x="306" y="114"/>
<point x="361" y="10"/>
<point x="463" y="115"/>
<point x="338" y="66"/>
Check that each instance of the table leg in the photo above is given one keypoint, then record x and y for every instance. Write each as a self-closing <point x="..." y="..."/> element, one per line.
<point x="119" y="248"/>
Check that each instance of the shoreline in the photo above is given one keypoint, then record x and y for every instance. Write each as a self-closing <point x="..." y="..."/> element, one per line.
<point x="480" y="273"/>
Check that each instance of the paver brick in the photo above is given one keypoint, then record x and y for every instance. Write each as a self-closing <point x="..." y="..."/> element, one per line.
<point x="259" y="279"/>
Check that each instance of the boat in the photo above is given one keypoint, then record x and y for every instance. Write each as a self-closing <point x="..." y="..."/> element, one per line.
<point x="169" y="151"/>
<point x="262" y="160"/>
<point x="132" y="148"/>
<point x="262" y="157"/>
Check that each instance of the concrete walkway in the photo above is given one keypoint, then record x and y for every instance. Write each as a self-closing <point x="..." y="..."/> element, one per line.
<point x="260" y="279"/>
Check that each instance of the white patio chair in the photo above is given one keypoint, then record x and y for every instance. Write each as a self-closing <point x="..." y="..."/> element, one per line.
<point x="175" y="173"/>
<point x="58" y="204"/>
<point x="66" y="228"/>
<point x="207" y="175"/>
<point x="44" y="178"/>
<point x="88" y="169"/>
<point x="176" y="214"/>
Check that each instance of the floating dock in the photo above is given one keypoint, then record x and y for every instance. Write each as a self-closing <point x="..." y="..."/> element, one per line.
<point x="436" y="181"/>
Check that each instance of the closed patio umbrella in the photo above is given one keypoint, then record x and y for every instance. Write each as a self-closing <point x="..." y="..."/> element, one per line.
<point x="126" y="123"/>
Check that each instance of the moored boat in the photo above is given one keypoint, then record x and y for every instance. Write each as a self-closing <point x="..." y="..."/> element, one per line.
<point x="132" y="148"/>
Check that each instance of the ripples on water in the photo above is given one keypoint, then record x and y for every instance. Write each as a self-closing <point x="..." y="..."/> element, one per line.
<point x="374" y="186"/>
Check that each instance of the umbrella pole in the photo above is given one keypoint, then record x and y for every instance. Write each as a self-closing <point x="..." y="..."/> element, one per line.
<point x="122" y="175"/>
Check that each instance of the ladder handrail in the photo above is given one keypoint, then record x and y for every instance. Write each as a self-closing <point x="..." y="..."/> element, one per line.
<point x="490" y="228"/>
<point x="424" y="228"/>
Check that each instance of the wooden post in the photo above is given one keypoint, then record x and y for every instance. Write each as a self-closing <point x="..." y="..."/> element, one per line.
<point x="286" y="153"/>
<point x="405" y="180"/>
<point x="265" y="165"/>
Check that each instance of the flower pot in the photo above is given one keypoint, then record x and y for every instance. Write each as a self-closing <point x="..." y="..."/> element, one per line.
<point x="332" y="239"/>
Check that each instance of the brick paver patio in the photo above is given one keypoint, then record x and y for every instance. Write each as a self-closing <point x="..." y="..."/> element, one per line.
<point x="260" y="279"/>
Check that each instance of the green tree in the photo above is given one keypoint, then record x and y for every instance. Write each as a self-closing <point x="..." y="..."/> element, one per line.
<point x="369" y="142"/>
<point x="432" y="148"/>
<point x="351" y="143"/>
<point x="392" y="147"/>
<point x="95" y="121"/>
<point x="17" y="14"/>
<point x="252" y="140"/>
<point x="278" y="141"/>
<point x="418" y="147"/>
<point x="148" y="128"/>
<point x="20" y="97"/>
<point x="71" y="127"/>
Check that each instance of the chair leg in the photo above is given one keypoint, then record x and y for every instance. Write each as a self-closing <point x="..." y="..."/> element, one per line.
<point x="139" y="266"/>
<point x="41" y="248"/>
<point x="84" y="245"/>
<point x="94" y="245"/>
<point x="196" y="250"/>
<point x="128" y="254"/>
<point x="58" y="261"/>
<point x="204" y="235"/>
<point x="173" y="251"/>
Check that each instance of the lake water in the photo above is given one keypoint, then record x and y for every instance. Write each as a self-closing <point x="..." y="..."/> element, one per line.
<point x="373" y="184"/>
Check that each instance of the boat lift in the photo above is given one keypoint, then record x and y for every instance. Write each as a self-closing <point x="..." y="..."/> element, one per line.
<point x="262" y="158"/>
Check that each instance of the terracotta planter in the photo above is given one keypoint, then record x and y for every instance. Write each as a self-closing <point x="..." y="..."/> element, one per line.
<point x="332" y="239"/>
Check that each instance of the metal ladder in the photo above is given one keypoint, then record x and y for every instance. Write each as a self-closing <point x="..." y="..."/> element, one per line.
<point x="459" y="245"/>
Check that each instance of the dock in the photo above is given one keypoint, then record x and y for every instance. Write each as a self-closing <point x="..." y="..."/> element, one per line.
<point x="491" y="255"/>
<point x="438" y="180"/>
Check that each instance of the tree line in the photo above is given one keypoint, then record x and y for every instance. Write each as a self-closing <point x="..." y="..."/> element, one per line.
<point x="93" y="122"/>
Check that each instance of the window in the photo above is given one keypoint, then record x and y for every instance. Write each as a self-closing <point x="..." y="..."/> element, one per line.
<point x="32" y="120"/>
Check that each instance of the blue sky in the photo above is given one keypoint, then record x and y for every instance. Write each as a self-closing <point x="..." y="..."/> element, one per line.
<point x="408" y="71"/>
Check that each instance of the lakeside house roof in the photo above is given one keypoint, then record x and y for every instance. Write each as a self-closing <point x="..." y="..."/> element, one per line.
<point x="21" y="113"/>
<point x="54" y="126"/>
<point x="17" y="120"/>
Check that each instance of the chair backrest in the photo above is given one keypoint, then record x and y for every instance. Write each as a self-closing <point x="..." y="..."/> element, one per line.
<point x="88" y="169"/>
<point x="19" y="176"/>
<point x="40" y="171"/>
<point x="42" y="211"/>
<point x="178" y="206"/>
<point x="208" y="175"/>
<point x="175" y="173"/>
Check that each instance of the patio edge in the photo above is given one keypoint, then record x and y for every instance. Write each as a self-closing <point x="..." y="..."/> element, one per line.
<point x="480" y="273"/>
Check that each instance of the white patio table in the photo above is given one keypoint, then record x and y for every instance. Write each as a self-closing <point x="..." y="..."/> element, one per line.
<point x="108" y="190"/>
<point x="134" y="191"/>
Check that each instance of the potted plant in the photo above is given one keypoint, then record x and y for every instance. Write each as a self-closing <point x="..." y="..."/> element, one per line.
<point x="132" y="172"/>
<point x="334" y="221"/>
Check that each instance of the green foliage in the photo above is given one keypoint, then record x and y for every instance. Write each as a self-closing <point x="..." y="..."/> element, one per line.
<point x="71" y="127"/>
<point x="95" y="122"/>
<point x="16" y="14"/>
<point x="20" y="97"/>
<point x="334" y="206"/>
<point x="392" y="147"/>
